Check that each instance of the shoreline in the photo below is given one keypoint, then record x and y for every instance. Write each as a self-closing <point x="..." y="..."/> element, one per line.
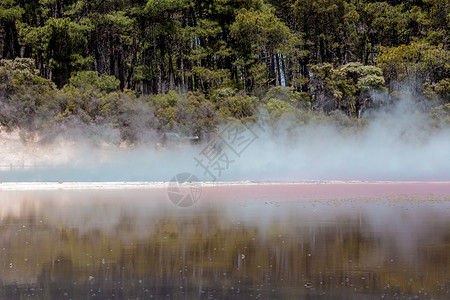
<point x="422" y="186"/>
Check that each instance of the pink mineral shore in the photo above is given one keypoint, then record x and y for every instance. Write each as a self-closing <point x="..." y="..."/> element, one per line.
<point x="256" y="189"/>
<point x="333" y="190"/>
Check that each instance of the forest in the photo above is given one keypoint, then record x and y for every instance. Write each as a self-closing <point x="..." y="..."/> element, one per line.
<point x="188" y="66"/>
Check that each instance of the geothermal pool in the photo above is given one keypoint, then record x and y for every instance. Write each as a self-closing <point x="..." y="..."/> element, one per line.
<point x="316" y="240"/>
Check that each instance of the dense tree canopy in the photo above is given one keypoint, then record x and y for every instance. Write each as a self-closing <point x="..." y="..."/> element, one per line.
<point x="329" y="52"/>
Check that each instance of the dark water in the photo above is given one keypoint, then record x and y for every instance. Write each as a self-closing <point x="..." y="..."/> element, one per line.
<point x="135" y="244"/>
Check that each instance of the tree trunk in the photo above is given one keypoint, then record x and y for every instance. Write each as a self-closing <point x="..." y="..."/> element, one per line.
<point x="277" y="69"/>
<point x="171" y="71"/>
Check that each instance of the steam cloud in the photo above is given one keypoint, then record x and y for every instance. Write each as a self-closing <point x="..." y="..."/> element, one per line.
<point x="397" y="144"/>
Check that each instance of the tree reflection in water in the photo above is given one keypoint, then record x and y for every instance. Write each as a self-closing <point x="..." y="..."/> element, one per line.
<point x="135" y="244"/>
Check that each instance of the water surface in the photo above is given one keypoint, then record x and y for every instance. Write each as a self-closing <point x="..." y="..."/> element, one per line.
<point x="315" y="241"/>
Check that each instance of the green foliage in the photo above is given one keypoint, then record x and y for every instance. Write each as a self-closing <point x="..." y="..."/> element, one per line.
<point x="162" y="6"/>
<point x="211" y="78"/>
<point x="219" y="95"/>
<point x="92" y="98"/>
<point x="438" y="91"/>
<point x="278" y="108"/>
<point x="166" y="110"/>
<point x="154" y="46"/>
<point x="170" y="99"/>
<point x="226" y="59"/>
<point x="196" y="115"/>
<point x="9" y="11"/>
<point x="435" y="20"/>
<point x="333" y="89"/>
<point x="440" y="115"/>
<point x="416" y="62"/>
<point x="90" y="80"/>
<point x="256" y="32"/>
<point x="345" y="87"/>
<point x="60" y="42"/>
<point x="365" y="77"/>
<point x="329" y="27"/>
<point x="239" y="106"/>
<point x="24" y="95"/>
<point x="254" y="28"/>
<point x="288" y="95"/>
<point x="339" y="118"/>
<point x="387" y="24"/>
<point x="190" y="113"/>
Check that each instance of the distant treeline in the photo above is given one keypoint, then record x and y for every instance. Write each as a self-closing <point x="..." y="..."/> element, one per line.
<point x="230" y="55"/>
